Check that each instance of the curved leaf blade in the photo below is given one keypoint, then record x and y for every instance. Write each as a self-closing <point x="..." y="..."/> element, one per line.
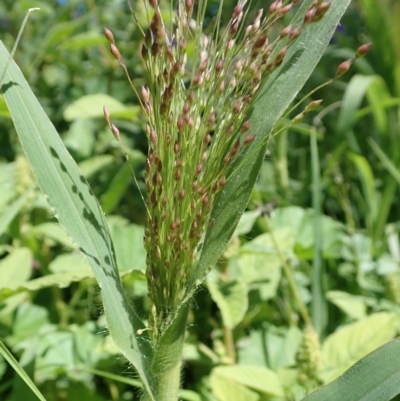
<point x="276" y="96"/>
<point x="376" y="377"/>
<point x="77" y="210"/>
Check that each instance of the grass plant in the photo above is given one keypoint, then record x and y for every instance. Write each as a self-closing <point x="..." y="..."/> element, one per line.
<point x="212" y="103"/>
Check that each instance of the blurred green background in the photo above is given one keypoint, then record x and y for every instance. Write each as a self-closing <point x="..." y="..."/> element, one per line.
<point x="326" y="206"/>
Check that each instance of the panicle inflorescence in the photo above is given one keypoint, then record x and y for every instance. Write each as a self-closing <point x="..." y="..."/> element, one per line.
<point x="197" y="109"/>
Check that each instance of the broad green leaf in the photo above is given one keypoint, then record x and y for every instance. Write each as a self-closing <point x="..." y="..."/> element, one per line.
<point x="275" y="97"/>
<point x="28" y="320"/>
<point x="246" y="222"/>
<point x="84" y="40"/>
<point x="262" y="380"/>
<point x="352" y="305"/>
<point x="63" y="30"/>
<point x="77" y="211"/>
<point x="248" y="352"/>
<point x="231" y="298"/>
<point x="59" y="355"/>
<point x="284" y="217"/>
<point x="347" y="345"/>
<point x="72" y="264"/>
<point x="66" y="268"/>
<point x="8" y="214"/>
<point x="91" y="106"/>
<point x="130" y="251"/>
<point x="54" y="232"/>
<point x="374" y="378"/>
<point x="279" y="347"/>
<point x="282" y="346"/>
<point x="301" y="222"/>
<point x="260" y="264"/>
<point x="80" y="138"/>
<point x="225" y="389"/>
<point x="95" y="164"/>
<point x="16" y="268"/>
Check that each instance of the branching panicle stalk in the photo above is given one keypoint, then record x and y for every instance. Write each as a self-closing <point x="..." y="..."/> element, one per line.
<point x="197" y="111"/>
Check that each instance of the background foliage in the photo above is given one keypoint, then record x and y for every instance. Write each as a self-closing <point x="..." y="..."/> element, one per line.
<point x="328" y="213"/>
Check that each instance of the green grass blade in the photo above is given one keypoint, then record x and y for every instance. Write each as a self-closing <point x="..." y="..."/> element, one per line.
<point x="318" y="304"/>
<point x="352" y="99"/>
<point x="387" y="163"/>
<point x="276" y="96"/>
<point x="376" y="377"/>
<point x="370" y="194"/>
<point x="21" y="372"/>
<point x="77" y="210"/>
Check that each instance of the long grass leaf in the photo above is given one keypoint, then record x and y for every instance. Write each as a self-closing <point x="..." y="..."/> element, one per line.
<point x="376" y="377"/>
<point x="318" y="304"/>
<point x="21" y="372"/>
<point x="276" y="96"/>
<point x="77" y="210"/>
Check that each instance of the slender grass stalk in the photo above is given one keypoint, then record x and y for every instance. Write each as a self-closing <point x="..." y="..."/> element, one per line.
<point x="21" y="30"/>
<point x="18" y="368"/>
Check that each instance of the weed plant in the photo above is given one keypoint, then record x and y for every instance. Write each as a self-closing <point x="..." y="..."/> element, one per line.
<point x="214" y="98"/>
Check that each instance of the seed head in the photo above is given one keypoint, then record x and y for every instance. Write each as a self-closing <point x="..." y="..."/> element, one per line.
<point x="189" y="5"/>
<point x="363" y="50"/>
<point x="322" y="9"/>
<point x="343" y="67"/>
<point x="313" y="105"/>
<point x="106" y="114"/>
<point x="309" y="16"/>
<point x="115" y="52"/>
<point x="153" y="3"/>
<point x="298" y="119"/>
<point x="285" y="31"/>
<point x="237" y="11"/>
<point x="275" y="6"/>
<point x="109" y="35"/>
<point x="245" y="126"/>
<point x="294" y="34"/>
<point x="219" y="65"/>
<point x="284" y="10"/>
<point x="199" y="169"/>
<point x="260" y="42"/>
<point x="115" y="131"/>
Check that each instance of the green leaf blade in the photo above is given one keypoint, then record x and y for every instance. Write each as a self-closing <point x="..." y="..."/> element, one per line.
<point x="77" y="210"/>
<point x="275" y="97"/>
<point x="374" y="378"/>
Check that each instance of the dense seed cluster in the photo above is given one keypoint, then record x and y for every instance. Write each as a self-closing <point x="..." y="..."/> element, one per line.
<point x="197" y="109"/>
<point x="309" y="357"/>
